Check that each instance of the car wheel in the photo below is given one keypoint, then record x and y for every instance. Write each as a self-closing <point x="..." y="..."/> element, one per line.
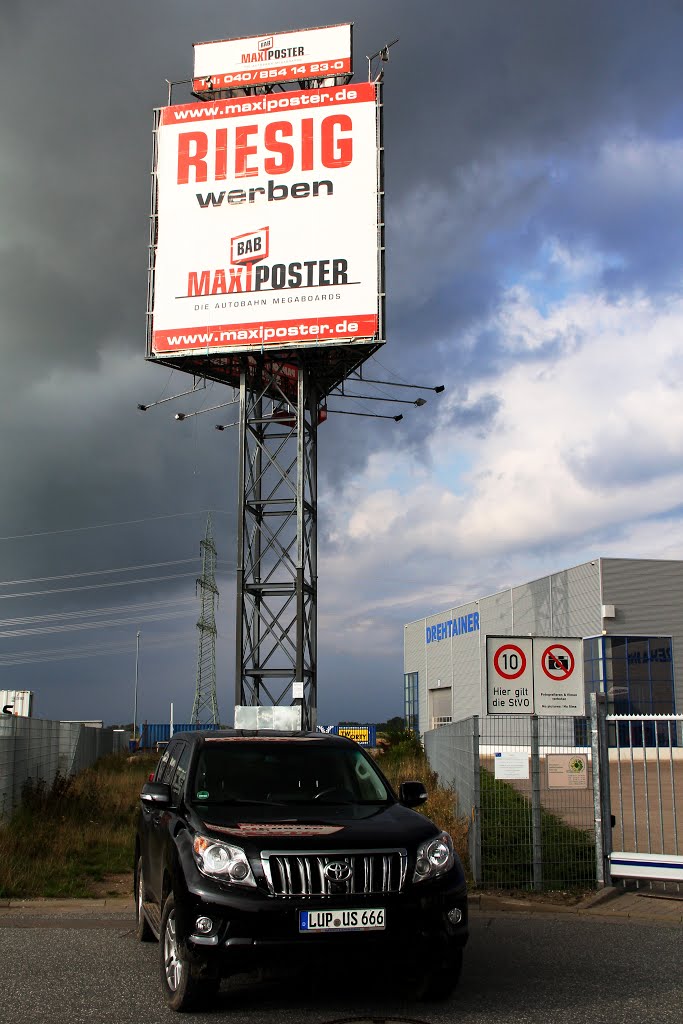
<point x="143" y="931"/>
<point x="182" y="983"/>
<point x="439" y="981"/>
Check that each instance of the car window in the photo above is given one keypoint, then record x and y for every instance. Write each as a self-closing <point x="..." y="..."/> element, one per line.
<point x="178" y="780"/>
<point x="161" y="766"/>
<point x="169" y="767"/>
<point x="369" y="783"/>
<point x="285" y="772"/>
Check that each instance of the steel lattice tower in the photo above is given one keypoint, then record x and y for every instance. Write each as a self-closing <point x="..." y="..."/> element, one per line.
<point x="277" y="545"/>
<point x="205" y="707"/>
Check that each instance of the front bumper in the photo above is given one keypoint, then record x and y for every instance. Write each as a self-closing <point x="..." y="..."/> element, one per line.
<point x="250" y="924"/>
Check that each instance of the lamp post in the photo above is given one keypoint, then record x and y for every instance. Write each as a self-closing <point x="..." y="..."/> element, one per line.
<point x="135" y="704"/>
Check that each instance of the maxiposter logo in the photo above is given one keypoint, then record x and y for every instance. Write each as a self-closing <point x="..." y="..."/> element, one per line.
<point x="249" y="271"/>
<point x="267" y="50"/>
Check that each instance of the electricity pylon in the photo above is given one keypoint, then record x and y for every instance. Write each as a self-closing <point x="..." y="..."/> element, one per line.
<point x="205" y="707"/>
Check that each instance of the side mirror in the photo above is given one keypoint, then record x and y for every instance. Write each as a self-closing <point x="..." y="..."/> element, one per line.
<point x="156" y="795"/>
<point x="411" y="794"/>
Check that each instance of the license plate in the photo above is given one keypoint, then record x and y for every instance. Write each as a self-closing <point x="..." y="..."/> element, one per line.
<point x="314" y="921"/>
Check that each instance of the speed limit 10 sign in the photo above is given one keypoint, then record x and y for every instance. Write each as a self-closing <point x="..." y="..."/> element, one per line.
<point x="510" y="675"/>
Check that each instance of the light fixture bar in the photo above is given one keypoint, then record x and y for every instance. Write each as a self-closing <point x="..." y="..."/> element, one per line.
<point x="209" y="408"/>
<point x="396" y="384"/>
<point x="171" y="398"/>
<point x="380" y="398"/>
<point x="372" y="415"/>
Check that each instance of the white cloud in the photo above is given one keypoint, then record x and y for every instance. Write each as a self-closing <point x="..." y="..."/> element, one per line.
<point x="586" y="450"/>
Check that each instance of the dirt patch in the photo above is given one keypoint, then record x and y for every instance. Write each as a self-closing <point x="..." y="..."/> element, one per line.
<point x="112" y="885"/>
<point x="569" y="898"/>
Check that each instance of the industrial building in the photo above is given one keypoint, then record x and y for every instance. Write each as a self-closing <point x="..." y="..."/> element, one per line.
<point x="628" y="612"/>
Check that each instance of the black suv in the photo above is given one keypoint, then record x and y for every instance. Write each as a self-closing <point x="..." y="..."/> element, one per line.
<point x="253" y="845"/>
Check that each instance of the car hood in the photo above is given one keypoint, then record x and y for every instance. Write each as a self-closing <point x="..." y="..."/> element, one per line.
<point x="349" y="826"/>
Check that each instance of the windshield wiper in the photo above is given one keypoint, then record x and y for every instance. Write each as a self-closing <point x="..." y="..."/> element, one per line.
<point x="238" y="800"/>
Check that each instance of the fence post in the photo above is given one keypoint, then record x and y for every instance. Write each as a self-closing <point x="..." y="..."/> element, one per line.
<point x="601" y="789"/>
<point x="536" y="806"/>
<point x="475" y="824"/>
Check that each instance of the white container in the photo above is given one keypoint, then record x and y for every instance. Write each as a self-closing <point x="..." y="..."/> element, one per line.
<point x="16" y="702"/>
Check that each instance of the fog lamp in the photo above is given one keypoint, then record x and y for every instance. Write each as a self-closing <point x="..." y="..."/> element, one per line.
<point x="455" y="915"/>
<point x="203" y="925"/>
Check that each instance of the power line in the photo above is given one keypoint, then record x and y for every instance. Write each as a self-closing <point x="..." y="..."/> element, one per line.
<point x="110" y="609"/>
<point x="97" y="586"/>
<point x="90" y="651"/>
<point x="96" y="572"/>
<point x="70" y="627"/>
<point x="105" y="526"/>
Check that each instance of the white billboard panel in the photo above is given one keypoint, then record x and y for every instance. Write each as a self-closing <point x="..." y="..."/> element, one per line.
<point x="268" y="221"/>
<point x="278" y="57"/>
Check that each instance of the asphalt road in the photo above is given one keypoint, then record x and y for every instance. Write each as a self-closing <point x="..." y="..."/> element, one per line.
<point x="519" y="969"/>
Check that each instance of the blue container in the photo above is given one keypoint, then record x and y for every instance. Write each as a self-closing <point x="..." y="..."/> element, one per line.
<point x="152" y="733"/>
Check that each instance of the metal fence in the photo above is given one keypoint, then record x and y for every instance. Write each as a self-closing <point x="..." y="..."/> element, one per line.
<point x="34" y="748"/>
<point x="453" y="753"/>
<point x="645" y="781"/>
<point x="525" y="785"/>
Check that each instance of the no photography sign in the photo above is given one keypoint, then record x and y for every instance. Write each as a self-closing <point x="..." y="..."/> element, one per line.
<point x="535" y="675"/>
<point x="558" y="677"/>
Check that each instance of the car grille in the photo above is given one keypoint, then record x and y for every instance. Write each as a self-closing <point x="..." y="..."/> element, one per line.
<point x="295" y="873"/>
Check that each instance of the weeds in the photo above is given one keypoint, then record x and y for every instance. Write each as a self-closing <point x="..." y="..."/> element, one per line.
<point x="406" y="760"/>
<point x="568" y="854"/>
<point x="71" y="834"/>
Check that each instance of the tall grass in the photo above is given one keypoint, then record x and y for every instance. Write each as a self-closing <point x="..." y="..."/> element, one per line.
<point x="65" y="837"/>
<point x="406" y="761"/>
<point x="568" y="853"/>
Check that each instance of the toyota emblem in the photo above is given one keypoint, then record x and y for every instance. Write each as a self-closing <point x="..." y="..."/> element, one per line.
<point x="338" y="871"/>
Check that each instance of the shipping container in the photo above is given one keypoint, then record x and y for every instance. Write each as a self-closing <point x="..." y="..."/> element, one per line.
<point x="16" y="702"/>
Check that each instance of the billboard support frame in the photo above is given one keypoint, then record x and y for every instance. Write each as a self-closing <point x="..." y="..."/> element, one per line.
<point x="276" y="613"/>
<point x="281" y="391"/>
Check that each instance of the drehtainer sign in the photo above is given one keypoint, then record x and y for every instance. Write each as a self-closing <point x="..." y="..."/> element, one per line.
<point x="267" y="222"/>
<point x="278" y="57"/>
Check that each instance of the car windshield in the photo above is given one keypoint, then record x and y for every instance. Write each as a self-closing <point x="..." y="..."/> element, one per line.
<point x="236" y="771"/>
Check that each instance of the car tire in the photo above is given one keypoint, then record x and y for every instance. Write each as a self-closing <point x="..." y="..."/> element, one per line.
<point x="439" y="981"/>
<point x="143" y="930"/>
<point x="183" y="986"/>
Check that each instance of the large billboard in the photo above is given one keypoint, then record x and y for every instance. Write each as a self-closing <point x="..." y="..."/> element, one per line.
<point x="268" y="223"/>
<point x="272" y="59"/>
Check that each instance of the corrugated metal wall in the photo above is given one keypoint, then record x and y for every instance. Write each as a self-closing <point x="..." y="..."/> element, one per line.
<point x="34" y="748"/>
<point x="567" y="603"/>
<point x="648" y="600"/>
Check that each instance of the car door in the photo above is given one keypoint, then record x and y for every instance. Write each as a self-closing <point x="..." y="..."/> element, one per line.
<point x="157" y="828"/>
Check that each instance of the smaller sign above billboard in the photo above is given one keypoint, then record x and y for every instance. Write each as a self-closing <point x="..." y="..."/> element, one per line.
<point x="272" y="59"/>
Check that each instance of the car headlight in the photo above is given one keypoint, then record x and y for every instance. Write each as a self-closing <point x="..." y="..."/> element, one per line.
<point x="220" y="860"/>
<point x="434" y="857"/>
